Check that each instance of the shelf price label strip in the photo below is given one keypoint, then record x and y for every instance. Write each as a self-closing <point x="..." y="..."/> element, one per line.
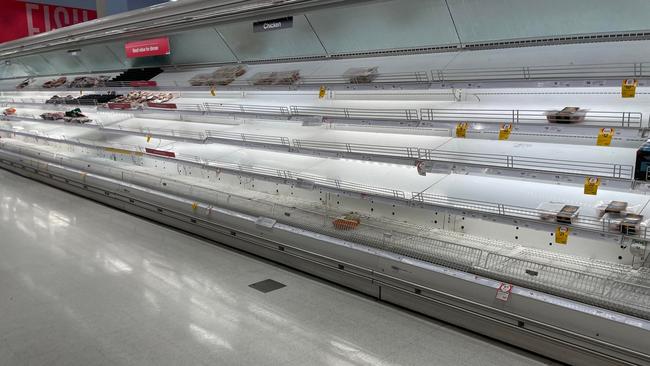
<point x="122" y="151"/>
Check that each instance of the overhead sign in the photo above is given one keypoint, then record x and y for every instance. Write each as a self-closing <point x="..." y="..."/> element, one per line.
<point x="21" y="19"/>
<point x="147" y="47"/>
<point x="273" y="24"/>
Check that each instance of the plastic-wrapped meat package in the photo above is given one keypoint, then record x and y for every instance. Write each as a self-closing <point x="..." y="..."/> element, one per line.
<point x="200" y="79"/>
<point x="221" y="76"/>
<point x="361" y="75"/>
<point x="88" y="81"/>
<point x="227" y="74"/>
<point x="69" y="99"/>
<point x="53" y="116"/>
<point x="566" y="115"/>
<point x="276" y="78"/>
<point x="25" y="83"/>
<point x="141" y="97"/>
<point x="55" y="83"/>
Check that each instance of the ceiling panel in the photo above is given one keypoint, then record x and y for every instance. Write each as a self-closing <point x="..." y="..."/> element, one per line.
<point x="298" y="41"/>
<point x="384" y="25"/>
<point x="481" y="20"/>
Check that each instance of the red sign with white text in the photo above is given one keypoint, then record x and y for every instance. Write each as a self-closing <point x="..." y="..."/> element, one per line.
<point x="169" y="154"/>
<point x="161" y="105"/>
<point x="20" y="19"/>
<point x="147" y="47"/>
<point x="143" y="83"/>
<point x="119" y="106"/>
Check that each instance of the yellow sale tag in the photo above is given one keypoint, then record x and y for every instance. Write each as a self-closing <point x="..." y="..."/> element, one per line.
<point x="461" y="129"/>
<point x="591" y="185"/>
<point x="504" y="131"/>
<point x="321" y="92"/>
<point x="605" y="136"/>
<point x="628" y="88"/>
<point x="562" y="235"/>
<point x="213" y="91"/>
<point x="148" y="138"/>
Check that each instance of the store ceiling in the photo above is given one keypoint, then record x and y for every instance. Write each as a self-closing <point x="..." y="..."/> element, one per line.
<point x="354" y="27"/>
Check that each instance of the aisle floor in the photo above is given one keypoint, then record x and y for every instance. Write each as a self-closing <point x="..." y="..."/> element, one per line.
<point x="83" y="284"/>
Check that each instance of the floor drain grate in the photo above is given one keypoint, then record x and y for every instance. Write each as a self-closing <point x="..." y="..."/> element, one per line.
<point x="267" y="285"/>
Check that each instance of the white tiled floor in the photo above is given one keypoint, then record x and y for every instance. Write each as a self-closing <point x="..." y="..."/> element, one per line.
<point x="82" y="284"/>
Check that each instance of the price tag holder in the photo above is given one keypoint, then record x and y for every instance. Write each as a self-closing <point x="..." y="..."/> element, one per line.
<point x="591" y="185"/>
<point x="461" y="129"/>
<point x="562" y="235"/>
<point x="420" y="165"/>
<point x="322" y="92"/>
<point x="605" y="136"/>
<point x="504" y="131"/>
<point x="628" y="88"/>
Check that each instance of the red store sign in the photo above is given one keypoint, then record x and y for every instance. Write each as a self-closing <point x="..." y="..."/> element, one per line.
<point x="147" y="47"/>
<point x="21" y="19"/>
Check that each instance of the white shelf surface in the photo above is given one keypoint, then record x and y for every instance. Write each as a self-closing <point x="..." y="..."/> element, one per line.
<point x="403" y="178"/>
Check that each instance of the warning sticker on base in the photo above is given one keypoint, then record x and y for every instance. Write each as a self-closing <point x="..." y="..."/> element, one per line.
<point x="504" y="291"/>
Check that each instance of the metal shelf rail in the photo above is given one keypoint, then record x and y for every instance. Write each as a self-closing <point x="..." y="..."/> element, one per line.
<point x="399" y="154"/>
<point x="514" y="116"/>
<point x="556" y="72"/>
<point x="517" y="116"/>
<point x="619" y="171"/>
<point x="358" y="113"/>
<point x="518" y="73"/>
<point x="310" y="180"/>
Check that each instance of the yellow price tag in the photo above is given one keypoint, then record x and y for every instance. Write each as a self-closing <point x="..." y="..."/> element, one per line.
<point x="213" y="91"/>
<point x="148" y="138"/>
<point x="195" y="205"/>
<point x="591" y="185"/>
<point x="562" y="235"/>
<point x="322" y="92"/>
<point x="628" y="88"/>
<point x="461" y="129"/>
<point x="605" y="136"/>
<point x="504" y="131"/>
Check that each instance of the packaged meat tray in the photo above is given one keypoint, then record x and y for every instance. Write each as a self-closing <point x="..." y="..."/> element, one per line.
<point x="276" y="78"/>
<point x="222" y="76"/>
<point x="361" y="75"/>
<point x="55" y="83"/>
